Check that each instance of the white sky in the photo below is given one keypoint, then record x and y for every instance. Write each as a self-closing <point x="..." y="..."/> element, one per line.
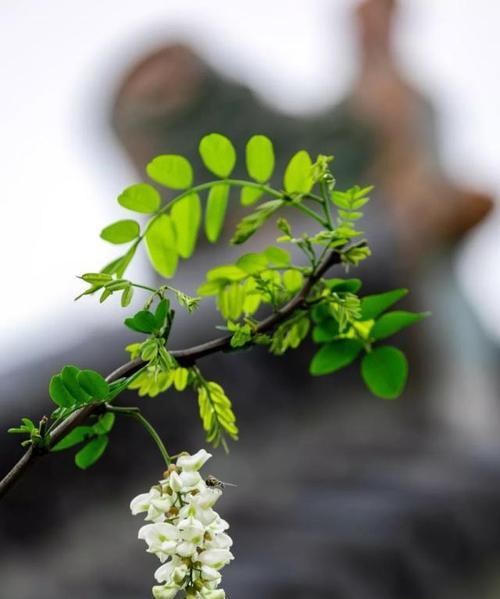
<point x="60" y="60"/>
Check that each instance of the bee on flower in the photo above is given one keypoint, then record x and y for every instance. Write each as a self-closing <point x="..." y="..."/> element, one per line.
<point x="186" y="534"/>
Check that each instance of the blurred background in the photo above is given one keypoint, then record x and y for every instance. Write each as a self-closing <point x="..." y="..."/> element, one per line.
<point x="339" y="495"/>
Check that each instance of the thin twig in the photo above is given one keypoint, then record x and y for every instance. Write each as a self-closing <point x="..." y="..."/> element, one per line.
<point x="185" y="357"/>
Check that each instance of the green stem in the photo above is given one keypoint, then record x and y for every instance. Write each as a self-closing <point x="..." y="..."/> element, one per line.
<point x="326" y="206"/>
<point x="234" y="183"/>
<point x="145" y="287"/>
<point x="311" y="213"/>
<point x="136" y="413"/>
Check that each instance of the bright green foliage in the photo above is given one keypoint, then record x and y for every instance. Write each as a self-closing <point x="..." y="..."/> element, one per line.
<point x="171" y="170"/>
<point x="230" y="300"/>
<point x="70" y="376"/>
<point x="75" y="437"/>
<point x="251" y="223"/>
<point x="32" y="431"/>
<point x="298" y="174"/>
<point x="122" y="231"/>
<point x="151" y="383"/>
<point x="260" y="158"/>
<point x="277" y="256"/>
<point x="290" y="334"/>
<point x="140" y="197"/>
<point x="373" y="305"/>
<point x="148" y="322"/>
<point x="249" y="195"/>
<point x="218" y="154"/>
<point x="352" y="200"/>
<point x="346" y="324"/>
<point x="343" y="285"/>
<point x="392" y="322"/>
<point x="90" y="453"/>
<point x="385" y="371"/>
<point x="242" y="334"/>
<point x="335" y="355"/>
<point x="93" y="384"/>
<point x="161" y="243"/>
<point x="297" y="300"/>
<point x="186" y="218"/>
<point x="293" y="280"/>
<point x="59" y="393"/>
<point x="216" y="211"/>
<point x="216" y="413"/>
<point x="74" y="387"/>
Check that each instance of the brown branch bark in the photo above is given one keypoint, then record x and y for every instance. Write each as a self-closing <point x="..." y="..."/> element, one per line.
<point x="185" y="357"/>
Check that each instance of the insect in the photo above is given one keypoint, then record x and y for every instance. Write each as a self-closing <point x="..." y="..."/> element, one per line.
<point x="215" y="483"/>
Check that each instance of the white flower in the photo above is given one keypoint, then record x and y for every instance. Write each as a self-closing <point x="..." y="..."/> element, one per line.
<point x="165" y="591"/>
<point x="173" y="572"/>
<point x="193" y="462"/>
<point x="191" y="529"/>
<point x="218" y="525"/>
<point x="154" y="503"/>
<point x="163" y="573"/>
<point x="210" y="574"/>
<point x="215" y="558"/>
<point x="185" y="533"/>
<point x="213" y="594"/>
<point x="207" y="498"/>
<point x="161" y="538"/>
<point x="219" y="541"/>
<point x="186" y="549"/>
<point x="140" y="503"/>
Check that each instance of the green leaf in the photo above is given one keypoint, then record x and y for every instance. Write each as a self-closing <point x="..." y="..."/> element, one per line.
<point x="392" y="322"/>
<point x="141" y="197"/>
<point x="251" y="223"/>
<point x="216" y="211"/>
<point x="127" y="296"/>
<point x="69" y="375"/>
<point x="89" y="454"/>
<point x="277" y="256"/>
<point x="373" y="305"/>
<point x="120" y="264"/>
<point x="142" y="322"/>
<point x="249" y="195"/>
<point x="211" y="287"/>
<point x="385" y="370"/>
<point x="230" y="301"/>
<point x="218" y="154"/>
<point x="335" y="355"/>
<point x="260" y="158"/>
<point x="77" y="435"/>
<point x="326" y="331"/>
<point x="186" y="217"/>
<point x="293" y="280"/>
<point x="343" y="285"/>
<point x="96" y="278"/>
<point x="59" y="393"/>
<point x="171" y="170"/>
<point x="93" y="383"/>
<point x="227" y="272"/>
<point x="161" y="245"/>
<point x="298" y="174"/>
<point x="122" y="231"/>
<point x="161" y="312"/>
<point x="104" y="424"/>
<point x="252" y="263"/>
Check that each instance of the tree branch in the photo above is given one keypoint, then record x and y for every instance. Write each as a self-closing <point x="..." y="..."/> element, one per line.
<point x="185" y="357"/>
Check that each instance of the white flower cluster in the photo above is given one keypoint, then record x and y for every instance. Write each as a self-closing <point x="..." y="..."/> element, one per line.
<point x="185" y="533"/>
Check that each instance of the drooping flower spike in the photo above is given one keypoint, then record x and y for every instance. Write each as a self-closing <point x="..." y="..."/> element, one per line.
<point x="185" y="532"/>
